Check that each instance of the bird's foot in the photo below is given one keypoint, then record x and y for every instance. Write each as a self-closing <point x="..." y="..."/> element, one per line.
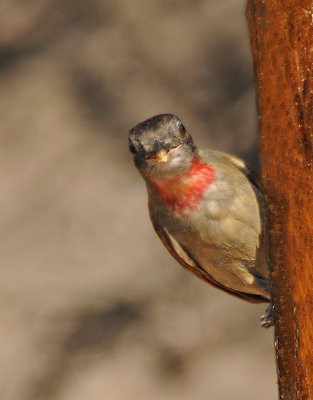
<point x="267" y="319"/>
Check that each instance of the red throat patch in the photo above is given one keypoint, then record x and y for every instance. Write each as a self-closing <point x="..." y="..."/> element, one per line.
<point x="184" y="192"/>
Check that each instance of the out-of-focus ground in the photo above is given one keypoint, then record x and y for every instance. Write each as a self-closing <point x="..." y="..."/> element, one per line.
<point x="91" y="305"/>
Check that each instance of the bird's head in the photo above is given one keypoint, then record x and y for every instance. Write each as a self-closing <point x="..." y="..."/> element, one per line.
<point x="162" y="147"/>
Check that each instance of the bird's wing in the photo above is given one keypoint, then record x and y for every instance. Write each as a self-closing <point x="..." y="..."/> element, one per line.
<point x="256" y="185"/>
<point x="187" y="262"/>
<point x="241" y="165"/>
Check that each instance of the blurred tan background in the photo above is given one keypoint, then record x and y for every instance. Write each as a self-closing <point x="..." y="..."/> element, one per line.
<point x="92" y="305"/>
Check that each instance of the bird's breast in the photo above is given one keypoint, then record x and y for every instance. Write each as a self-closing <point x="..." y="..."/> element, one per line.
<point x="184" y="193"/>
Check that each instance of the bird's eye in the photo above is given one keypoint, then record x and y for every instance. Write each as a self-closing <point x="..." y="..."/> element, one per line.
<point x="182" y="131"/>
<point x="132" y="148"/>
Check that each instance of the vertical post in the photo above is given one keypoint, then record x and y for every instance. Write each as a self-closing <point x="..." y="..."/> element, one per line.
<point x="282" y="43"/>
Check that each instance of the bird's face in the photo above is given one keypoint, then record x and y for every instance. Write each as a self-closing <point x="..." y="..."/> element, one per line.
<point x="162" y="147"/>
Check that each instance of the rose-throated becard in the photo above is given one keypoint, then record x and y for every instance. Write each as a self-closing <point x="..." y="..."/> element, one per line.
<point x="206" y="207"/>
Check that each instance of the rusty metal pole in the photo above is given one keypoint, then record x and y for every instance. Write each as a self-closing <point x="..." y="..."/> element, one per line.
<point x="282" y="43"/>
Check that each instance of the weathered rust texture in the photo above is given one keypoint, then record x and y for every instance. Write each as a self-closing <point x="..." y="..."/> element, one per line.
<point x="282" y="44"/>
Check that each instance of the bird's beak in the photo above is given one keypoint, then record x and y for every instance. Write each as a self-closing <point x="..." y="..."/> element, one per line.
<point x="162" y="156"/>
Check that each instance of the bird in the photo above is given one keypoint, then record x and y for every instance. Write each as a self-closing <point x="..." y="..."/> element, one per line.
<point x="207" y="208"/>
